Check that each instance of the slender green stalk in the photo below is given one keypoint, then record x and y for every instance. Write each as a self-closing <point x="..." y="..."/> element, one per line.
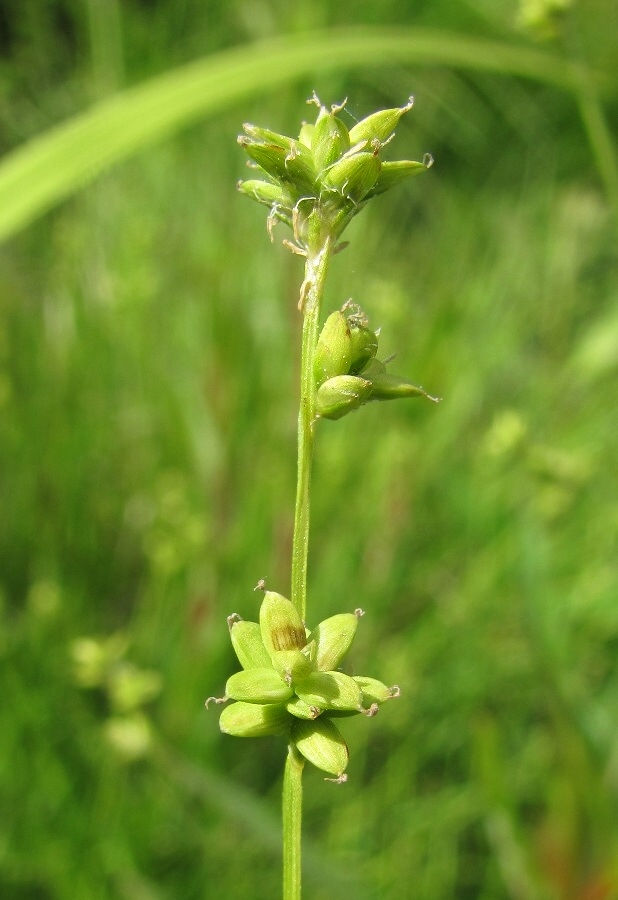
<point x="316" y="269"/>
<point x="311" y="298"/>
<point x="292" y="823"/>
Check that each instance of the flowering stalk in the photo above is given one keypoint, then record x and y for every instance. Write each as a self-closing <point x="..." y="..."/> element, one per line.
<point x="291" y="682"/>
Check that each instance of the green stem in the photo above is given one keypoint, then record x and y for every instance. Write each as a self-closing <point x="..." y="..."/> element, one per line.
<point x="292" y="823"/>
<point x="316" y="269"/>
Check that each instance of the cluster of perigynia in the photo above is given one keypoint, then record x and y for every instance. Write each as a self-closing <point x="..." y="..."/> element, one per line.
<point x="318" y="182"/>
<point x="290" y="683"/>
<point x="347" y="372"/>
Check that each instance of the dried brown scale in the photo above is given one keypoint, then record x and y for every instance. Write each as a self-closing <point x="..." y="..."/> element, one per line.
<point x="288" y="639"/>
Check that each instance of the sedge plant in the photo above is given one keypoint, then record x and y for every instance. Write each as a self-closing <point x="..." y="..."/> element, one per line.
<point x="291" y="682"/>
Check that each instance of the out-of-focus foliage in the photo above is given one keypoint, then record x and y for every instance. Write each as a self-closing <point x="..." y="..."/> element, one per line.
<point x="148" y="344"/>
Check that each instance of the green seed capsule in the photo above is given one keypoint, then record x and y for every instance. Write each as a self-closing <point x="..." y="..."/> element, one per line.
<point x="392" y="387"/>
<point x="341" y="395"/>
<point x="258" y="686"/>
<point x="330" y="690"/>
<point x="380" y="125"/>
<point x="364" y="346"/>
<point x="375" y="691"/>
<point x="394" y="173"/>
<point x="270" y="157"/>
<point x="248" y="645"/>
<point x="306" y="134"/>
<point x="266" y="193"/>
<point x="298" y="160"/>
<point x="254" y="719"/>
<point x="333" y="638"/>
<point x="300" y="169"/>
<point x="293" y="167"/>
<point x="302" y="710"/>
<point x="280" y="624"/>
<point x="374" y="368"/>
<point x="321" y="742"/>
<point x="266" y="136"/>
<point x="353" y="176"/>
<point x="346" y="713"/>
<point x="284" y="637"/>
<point x="330" y="140"/>
<point x="333" y="353"/>
<point x="292" y="665"/>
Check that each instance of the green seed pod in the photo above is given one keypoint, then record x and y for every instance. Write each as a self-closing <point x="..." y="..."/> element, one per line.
<point x="333" y="352"/>
<point x="375" y="691"/>
<point x="392" y="387"/>
<point x="284" y="637"/>
<point x="302" y="710"/>
<point x="341" y="395"/>
<point x="248" y="645"/>
<point x="333" y="638"/>
<point x="321" y="742"/>
<point x="292" y="665"/>
<point x="353" y="176"/>
<point x="266" y="193"/>
<point x="254" y="719"/>
<point x="270" y="157"/>
<point x="346" y="713"/>
<point x="266" y="136"/>
<point x="280" y="624"/>
<point x="300" y="169"/>
<point x="330" y="690"/>
<point x="394" y="173"/>
<point x="380" y="125"/>
<point x="330" y="140"/>
<point x="298" y="159"/>
<point x="374" y="368"/>
<point x="258" y="686"/>
<point x="306" y="134"/>
<point x="293" y="167"/>
<point x="364" y="345"/>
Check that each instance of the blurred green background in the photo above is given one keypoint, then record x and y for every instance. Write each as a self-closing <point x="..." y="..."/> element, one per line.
<point x="148" y="348"/>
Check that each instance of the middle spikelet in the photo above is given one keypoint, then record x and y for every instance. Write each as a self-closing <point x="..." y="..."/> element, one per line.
<point x="346" y="372"/>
